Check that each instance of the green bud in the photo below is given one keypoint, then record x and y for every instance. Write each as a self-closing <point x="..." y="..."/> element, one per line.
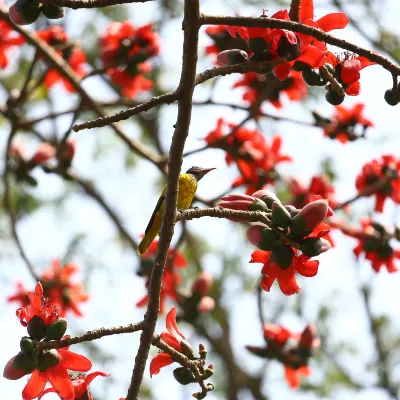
<point x="266" y="196"/>
<point x="312" y="78"/>
<point x="25" y="361"/>
<point x="283" y="256"/>
<point x="26" y="344"/>
<point x="257" y="45"/>
<point x="292" y="210"/>
<point x="334" y="98"/>
<point x="56" y="330"/>
<point x="210" y="387"/>
<point x="202" y="351"/>
<point x="208" y="373"/>
<point x="258" y="205"/>
<point x="36" y="328"/>
<point x="287" y="50"/>
<point x="24" y="12"/>
<point x="199" y="395"/>
<point x="280" y="215"/>
<point x="47" y="359"/>
<point x="184" y="376"/>
<point x="232" y="57"/>
<point x="385" y="252"/>
<point x="314" y="246"/>
<point x="392" y="97"/>
<point x="187" y="349"/>
<point x="52" y="12"/>
<point x="269" y="239"/>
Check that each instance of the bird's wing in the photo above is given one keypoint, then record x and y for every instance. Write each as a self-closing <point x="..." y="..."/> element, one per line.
<point x="157" y="207"/>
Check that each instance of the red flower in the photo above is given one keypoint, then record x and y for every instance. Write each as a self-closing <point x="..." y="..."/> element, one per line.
<point x="286" y="277"/>
<point x="8" y="39"/>
<point x="345" y="122"/>
<point x="374" y="241"/>
<point x="347" y="70"/>
<point x="56" y="37"/>
<point x="173" y="338"/>
<point x="81" y="386"/>
<point x="125" y="51"/>
<point x="254" y="157"/>
<point x="385" y="170"/>
<point x="62" y="359"/>
<point x="43" y="153"/>
<point x="272" y="88"/>
<point x="65" y="294"/>
<point x="293" y="376"/>
<point x="171" y="279"/>
<point x="319" y="186"/>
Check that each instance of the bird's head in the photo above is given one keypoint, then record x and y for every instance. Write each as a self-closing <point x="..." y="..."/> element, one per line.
<point x="198" y="172"/>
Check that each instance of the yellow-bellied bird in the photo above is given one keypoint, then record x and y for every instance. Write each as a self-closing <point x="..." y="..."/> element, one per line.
<point x="186" y="191"/>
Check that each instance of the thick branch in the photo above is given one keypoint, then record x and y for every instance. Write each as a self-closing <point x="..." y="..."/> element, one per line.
<point x="307" y="30"/>
<point x="185" y="91"/>
<point x="75" y="4"/>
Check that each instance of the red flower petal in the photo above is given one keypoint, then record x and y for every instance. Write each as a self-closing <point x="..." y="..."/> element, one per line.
<point x="282" y="70"/>
<point x="350" y="71"/>
<point x="312" y="57"/>
<point x="306" y="10"/>
<point x="354" y="89"/>
<point x="35" y="385"/>
<point x="333" y="21"/>
<point x="76" y="362"/>
<point x="308" y="268"/>
<point x="89" y="377"/>
<point x="287" y="281"/>
<point x="161" y="360"/>
<point x="61" y="381"/>
<point x="259" y="256"/>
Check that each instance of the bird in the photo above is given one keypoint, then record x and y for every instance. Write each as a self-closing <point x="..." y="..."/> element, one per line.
<point x="186" y="191"/>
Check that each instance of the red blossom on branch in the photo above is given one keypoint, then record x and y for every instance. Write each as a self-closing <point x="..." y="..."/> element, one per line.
<point x="380" y="178"/>
<point x="8" y="39"/>
<point x="171" y="279"/>
<point x="248" y="148"/>
<point x="56" y="37"/>
<point x="374" y="241"/>
<point x="272" y="88"/>
<point x="125" y="51"/>
<point x="57" y="285"/>
<point x="345" y="123"/>
<point x="173" y="337"/>
<point x="81" y="386"/>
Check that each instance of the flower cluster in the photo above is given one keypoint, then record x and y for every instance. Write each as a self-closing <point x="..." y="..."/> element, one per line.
<point x="171" y="279"/>
<point x="290" y="240"/>
<point x="380" y="178"/>
<point x="56" y="37"/>
<point x="319" y="185"/>
<point x="8" y="39"/>
<point x="374" y="241"/>
<point x="223" y="40"/>
<point x="270" y="88"/>
<point x="248" y="148"/>
<point x="125" y="52"/>
<point x="22" y="165"/>
<point x="175" y="339"/>
<point x="57" y="285"/>
<point x="43" y="323"/>
<point x="291" y="349"/>
<point x="347" y="124"/>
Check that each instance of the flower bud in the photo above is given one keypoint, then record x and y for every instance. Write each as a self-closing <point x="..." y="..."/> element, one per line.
<point x="258" y="351"/>
<point x="187" y="349"/>
<point x="334" y="98"/>
<point x="257" y="45"/>
<point x="47" y="359"/>
<point x="313" y="247"/>
<point x="26" y="344"/>
<point x="231" y="57"/>
<point x="203" y="283"/>
<point x="266" y="196"/>
<point x="36" y="328"/>
<point x="24" y="12"/>
<point x="17" y="151"/>
<point x="43" y="153"/>
<point x="269" y="239"/>
<point x="24" y="361"/>
<point x="287" y="50"/>
<point x="184" y="375"/>
<point x="312" y="78"/>
<point x="239" y="202"/>
<point x="56" y="330"/>
<point x="292" y="210"/>
<point x="209" y="372"/>
<point x="202" y="351"/>
<point x="13" y="373"/>
<point x="282" y="256"/>
<point x="206" y="305"/>
<point x="52" y="12"/>
<point x="254" y="234"/>
<point x="392" y="97"/>
<point x="258" y="205"/>
<point x="210" y="387"/>
<point x="69" y="150"/>
<point x="309" y="217"/>
<point x="309" y="338"/>
<point x="280" y="215"/>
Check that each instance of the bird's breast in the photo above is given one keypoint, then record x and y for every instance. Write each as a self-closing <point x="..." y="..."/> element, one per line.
<point x="187" y="190"/>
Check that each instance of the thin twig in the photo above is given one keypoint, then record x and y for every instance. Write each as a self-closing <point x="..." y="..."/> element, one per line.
<point x="75" y="4"/>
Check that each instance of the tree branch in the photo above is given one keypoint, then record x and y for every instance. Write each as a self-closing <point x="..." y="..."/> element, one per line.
<point x="76" y="4"/>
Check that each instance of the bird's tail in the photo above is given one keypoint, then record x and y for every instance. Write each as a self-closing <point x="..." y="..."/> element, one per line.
<point x="146" y="241"/>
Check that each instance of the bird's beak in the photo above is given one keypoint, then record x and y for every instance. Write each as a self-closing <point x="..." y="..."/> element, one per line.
<point x="205" y="171"/>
